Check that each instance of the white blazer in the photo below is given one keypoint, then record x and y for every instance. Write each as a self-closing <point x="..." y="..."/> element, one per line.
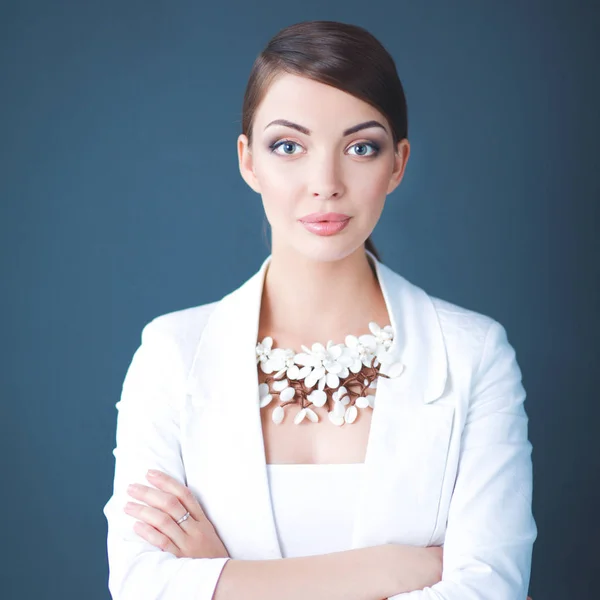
<point x="448" y="461"/>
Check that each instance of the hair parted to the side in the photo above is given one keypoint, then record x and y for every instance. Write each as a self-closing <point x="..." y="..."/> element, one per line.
<point x="344" y="56"/>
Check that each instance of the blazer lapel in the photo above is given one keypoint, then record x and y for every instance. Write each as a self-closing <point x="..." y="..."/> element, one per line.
<point x="408" y="441"/>
<point x="223" y="387"/>
<point x="224" y="451"/>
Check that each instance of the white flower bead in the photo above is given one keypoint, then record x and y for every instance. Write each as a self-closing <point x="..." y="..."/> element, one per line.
<point x="300" y="416"/>
<point x="263" y="349"/>
<point x="362" y="402"/>
<point x="336" y="420"/>
<point x="287" y="394"/>
<point x="279" y="386"/>
<point x="278" y="415"/>
<point x="338" y="409"/>
<point x="351" y="414"/>
<point x="314" y="376"/>
<point x="312" y="415"/>
<point x="332" y="380"/>
<point x="341" y="395"/>
<point x="304" y="372"/>
<point x="265" y="400"/>
<point x="264" y="395"/>
<point x="318" y="398"/>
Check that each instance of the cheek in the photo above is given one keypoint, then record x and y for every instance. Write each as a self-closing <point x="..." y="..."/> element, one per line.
<point x="274" y="180"/>
<point x="279" y="191"/>
<point x="370" y="190"/>
<point x="279" y="199"/>
<point x="372" y="180"/>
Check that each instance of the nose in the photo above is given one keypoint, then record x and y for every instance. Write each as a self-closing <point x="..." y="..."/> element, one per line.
<point x="326" y="195"/>
<point x="326" y="182"/>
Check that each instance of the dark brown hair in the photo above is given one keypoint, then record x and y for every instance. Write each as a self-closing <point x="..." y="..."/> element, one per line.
<point x="344" y="56"/>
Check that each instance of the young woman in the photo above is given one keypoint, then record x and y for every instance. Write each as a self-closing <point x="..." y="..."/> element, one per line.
<point x="328" y="430"/>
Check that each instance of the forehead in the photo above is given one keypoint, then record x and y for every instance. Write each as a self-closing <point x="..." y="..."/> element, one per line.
<point x="310" y="103"/>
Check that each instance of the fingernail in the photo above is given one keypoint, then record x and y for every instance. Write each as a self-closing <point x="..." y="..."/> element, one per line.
<point x="153" y="473"/>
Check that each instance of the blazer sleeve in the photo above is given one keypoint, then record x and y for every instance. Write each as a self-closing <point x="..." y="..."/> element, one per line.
<point x="490" y="529"/>
<point x="147" y="437"/>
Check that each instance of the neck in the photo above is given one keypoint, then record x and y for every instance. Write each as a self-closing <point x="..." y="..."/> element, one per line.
<point x="310" y="300"/>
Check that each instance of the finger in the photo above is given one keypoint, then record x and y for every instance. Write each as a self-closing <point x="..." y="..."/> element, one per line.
<point x="170" y="485"/>
<point x="167" y="503"/>
<point x="156" y="538"/>
<point x="159" y="521"/>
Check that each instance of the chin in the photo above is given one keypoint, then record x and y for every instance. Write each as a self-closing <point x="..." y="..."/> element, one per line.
<point x="328" y="249"/>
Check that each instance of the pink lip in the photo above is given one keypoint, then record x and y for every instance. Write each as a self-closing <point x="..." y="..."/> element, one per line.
<point x="325" y="227"/>
<point x="316" y="217"/>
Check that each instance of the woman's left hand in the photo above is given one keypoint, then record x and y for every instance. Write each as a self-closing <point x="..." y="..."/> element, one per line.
<point x="193" y="538"/>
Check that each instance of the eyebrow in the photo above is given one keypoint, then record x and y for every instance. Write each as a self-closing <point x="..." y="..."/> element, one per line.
<point x="305" y="130"/>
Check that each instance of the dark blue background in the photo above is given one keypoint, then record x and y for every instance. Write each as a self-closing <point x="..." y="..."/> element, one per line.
<point x="120" y="191"/>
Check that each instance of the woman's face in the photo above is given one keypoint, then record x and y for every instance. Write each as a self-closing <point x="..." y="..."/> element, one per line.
<point x="315" y="164"/>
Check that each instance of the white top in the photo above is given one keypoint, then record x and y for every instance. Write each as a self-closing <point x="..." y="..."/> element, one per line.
<point x="314" y="506"/>
<point x="454" y="428"/>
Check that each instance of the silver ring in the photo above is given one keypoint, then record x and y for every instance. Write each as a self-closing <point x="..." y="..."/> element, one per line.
<point x="185" y="517"/>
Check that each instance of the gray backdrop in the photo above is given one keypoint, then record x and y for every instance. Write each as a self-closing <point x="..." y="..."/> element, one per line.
<point x="120" y="190"/>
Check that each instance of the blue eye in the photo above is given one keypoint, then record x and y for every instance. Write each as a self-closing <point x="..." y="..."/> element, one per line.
<point x="375" y="148"/>
<point x="290" y="145"/>
<point x="284" y="143"/>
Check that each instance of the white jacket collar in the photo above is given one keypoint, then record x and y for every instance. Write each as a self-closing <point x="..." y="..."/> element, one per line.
<point x="418" y="339"/>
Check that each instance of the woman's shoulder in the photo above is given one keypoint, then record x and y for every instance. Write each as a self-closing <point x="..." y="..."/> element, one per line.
<point x="182" y="327"/>
<point x="458" y="324"/>
<point x="462" y="327"/>
<point x="478" y="342"/>
<point x="458" y="316"/>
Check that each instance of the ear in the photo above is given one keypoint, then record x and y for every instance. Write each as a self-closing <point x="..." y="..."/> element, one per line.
<point x="246" y="163"/>
<point x="400" y="160"/>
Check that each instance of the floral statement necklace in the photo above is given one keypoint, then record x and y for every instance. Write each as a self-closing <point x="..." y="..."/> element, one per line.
<point x="343" y="376"/>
